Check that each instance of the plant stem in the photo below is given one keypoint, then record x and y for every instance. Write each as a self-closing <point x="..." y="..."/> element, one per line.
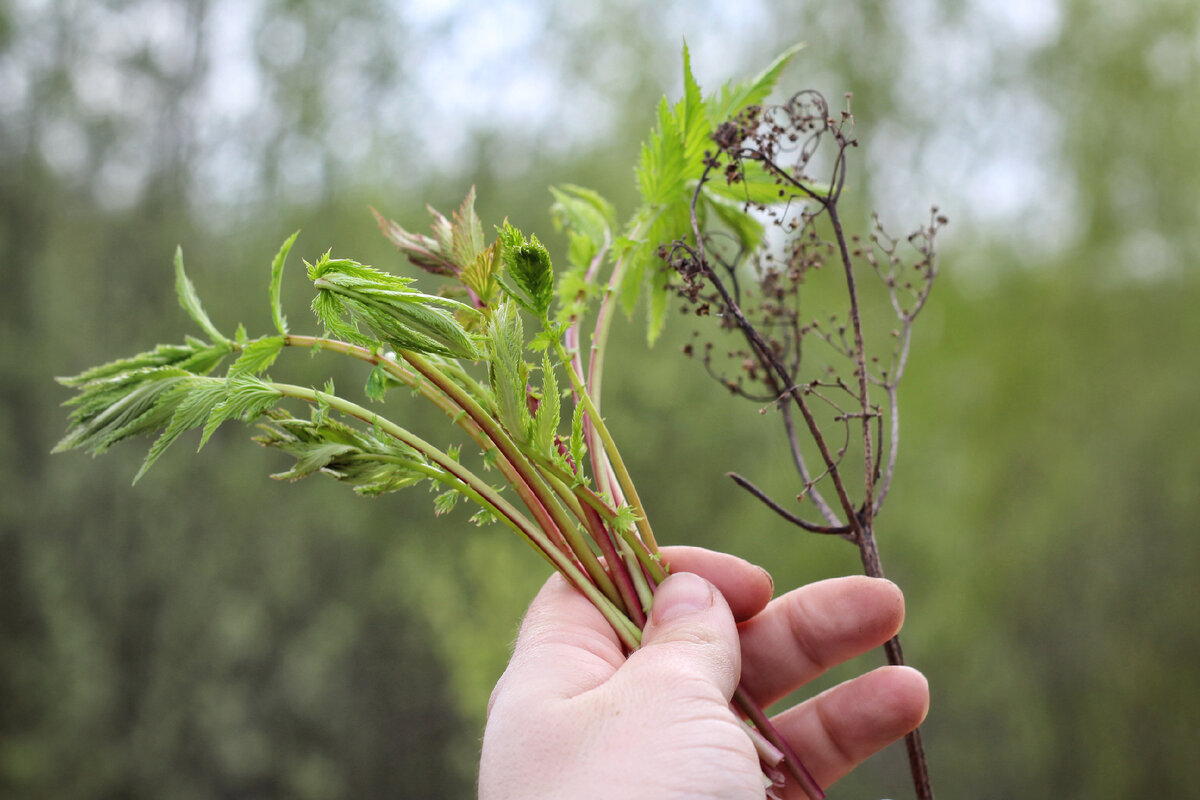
<point x="544" y="509"/>
<point x="487" y="497"/>
<point x="558" y="521"/>
<point x="610" y="450"/>
<point x="792" y="762"/>
<point x="914" y="745"/>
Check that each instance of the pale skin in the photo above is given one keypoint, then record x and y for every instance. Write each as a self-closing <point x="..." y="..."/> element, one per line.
<point x="573" y="717"/>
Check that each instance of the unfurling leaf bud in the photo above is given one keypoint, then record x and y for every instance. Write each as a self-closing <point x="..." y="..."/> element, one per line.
<point x="527" y="262"/>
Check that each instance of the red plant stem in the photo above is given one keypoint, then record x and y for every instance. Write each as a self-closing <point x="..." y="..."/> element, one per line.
<point x="555" y="517"/>
<point x="510" y="462"/>
<point x="791" y="760"/>
<point x="616" y="566"/>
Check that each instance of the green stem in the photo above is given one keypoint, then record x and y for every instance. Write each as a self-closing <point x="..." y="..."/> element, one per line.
<point x="434" y="390"/>
<point x="607" y="583"/>
<point x="611" y="451"/>
<point x="486" y="496"/>
<point x="634" y="599"/>
<point x="492" y="429"/>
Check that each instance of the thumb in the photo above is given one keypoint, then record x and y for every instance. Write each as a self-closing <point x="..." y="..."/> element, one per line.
<point x="691" y="635"/>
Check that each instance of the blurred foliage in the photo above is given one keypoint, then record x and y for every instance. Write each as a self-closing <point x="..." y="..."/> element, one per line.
<point x="288" y="641"/>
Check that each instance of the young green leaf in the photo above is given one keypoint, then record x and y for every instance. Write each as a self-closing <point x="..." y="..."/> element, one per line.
<point x="588" y="220"/>
<point x="245" y="399"/>
<point x="748" y="230"/>
<point x="190" y="301"/>
<point x="378" y="382"/>
<point x="672" y="162"/>
<point x="548" y="411"/>
<point x="736" y="96"/>
<point x="430" y="253"/>
<point x="257" y="356"/>
<point x="199" y="397"/>
<point x="445" y="502"/>
<point x="277" y="282"/>
<point x="466" y="232"/>
<point x="508" y="371"/>
<point x="138" y="402"/>
<point x="400" y="316"/>
<point x="481" y="276"/>
<point x="453" y="246"/>
<point x="193" y="355"/>
<point x="371" y="464"/>
<point x="577" y="445"/>
<point x="527" y="264"/>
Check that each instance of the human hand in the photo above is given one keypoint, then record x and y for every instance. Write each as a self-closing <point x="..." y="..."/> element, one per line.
<point x="573" y="717"/>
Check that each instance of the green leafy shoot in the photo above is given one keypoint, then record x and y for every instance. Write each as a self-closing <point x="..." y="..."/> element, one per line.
<point x="378" y="383"/>
<point x="373" y="465"/>
<point x="527" y="265"/>
<point x="672" y="162"/>
<point x="401" y="317"/>
<point x="113" y="409"/>
<point x="193" y="355"/>
<point x="589" y="221"/>
<point x="587" y="218"/>
<point x="198" y="398"/>
<point x="735" y="96"/>
<point x="455" y="243"/>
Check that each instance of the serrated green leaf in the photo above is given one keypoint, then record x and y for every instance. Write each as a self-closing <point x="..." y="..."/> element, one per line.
<point x="445" y="502"/>
<point x="586" y="216"/>
<point x="400" y="316"/>
<point x="484" y="516"/>
<point x="257" y="356"/>
<point x="200" y="397"/>
<point x="734" y="97"/>
<point x="527" y="264"/>
<point x="480" y="276"/>
<point x="508" y="370"/>
<point x="132" y="404"/>
<point x="659" y="296"/>
<point x="577" y="444"/>
<point x="314" y="457"/>
<point x="466" y="232"/>
<point x="671" y="164"/>
<point x="190" y="301"/>
<point x="549" y="409"/>
<point x="194" y="355"/>
<point x="625" y="518"/>
<point x="245" y="399"/>
<point x="277" y="282"/>
<point x="430" y="253"/>
<point x="330" y="312"/>
<point x="378" y="382"/>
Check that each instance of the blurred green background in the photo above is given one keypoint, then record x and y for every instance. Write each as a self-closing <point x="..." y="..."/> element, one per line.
<point x="211" y="633"/>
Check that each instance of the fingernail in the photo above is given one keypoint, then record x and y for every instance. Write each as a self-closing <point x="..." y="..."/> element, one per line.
<point x="770" y="580"/>
<point x="680" y="594"/>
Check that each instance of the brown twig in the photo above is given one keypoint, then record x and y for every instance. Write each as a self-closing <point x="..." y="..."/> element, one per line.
<point x="762" y="135"/>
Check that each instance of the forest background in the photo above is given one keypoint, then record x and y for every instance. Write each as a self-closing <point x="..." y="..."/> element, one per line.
<point x="212" y="633"/>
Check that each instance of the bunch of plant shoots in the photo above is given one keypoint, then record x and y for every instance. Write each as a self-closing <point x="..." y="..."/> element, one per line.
<point x="500" y="350"/>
